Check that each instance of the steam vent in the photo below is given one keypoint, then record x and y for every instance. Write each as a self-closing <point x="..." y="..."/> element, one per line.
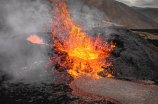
<point x="77" y="52"/>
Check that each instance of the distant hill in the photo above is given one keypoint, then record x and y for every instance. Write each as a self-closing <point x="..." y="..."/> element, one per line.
<point x="123" y="14"/>
<point x="149" y="12"/>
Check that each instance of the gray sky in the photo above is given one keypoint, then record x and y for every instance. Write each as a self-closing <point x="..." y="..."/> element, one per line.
<point x="141" y="3"/>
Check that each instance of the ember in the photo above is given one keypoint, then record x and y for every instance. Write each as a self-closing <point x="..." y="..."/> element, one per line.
<point x="35" y="39"/>
<point x="88" y="53"/>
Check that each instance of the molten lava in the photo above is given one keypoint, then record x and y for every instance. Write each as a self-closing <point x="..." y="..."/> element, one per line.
<point x="88" y="54"/>
<point x="35" y="39"/>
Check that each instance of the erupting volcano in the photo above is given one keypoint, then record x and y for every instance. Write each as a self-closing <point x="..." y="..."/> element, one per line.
<point x="87" y="54"/>
<point x="80" y="57"/>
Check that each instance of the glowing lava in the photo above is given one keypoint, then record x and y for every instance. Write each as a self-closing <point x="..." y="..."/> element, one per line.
<point x="88" y="54"/>
<point x="35" y="39"/>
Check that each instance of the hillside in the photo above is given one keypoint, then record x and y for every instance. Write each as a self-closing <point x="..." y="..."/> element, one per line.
<point x="149" y="12"/>
<point x="123" y="14"/>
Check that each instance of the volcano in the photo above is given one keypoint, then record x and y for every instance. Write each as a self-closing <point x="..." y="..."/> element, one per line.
<point x="122" y="14"/>
<point x="79" y="64"/>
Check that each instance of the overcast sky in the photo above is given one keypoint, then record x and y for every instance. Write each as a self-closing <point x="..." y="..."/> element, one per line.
<point x="141" y="3"/>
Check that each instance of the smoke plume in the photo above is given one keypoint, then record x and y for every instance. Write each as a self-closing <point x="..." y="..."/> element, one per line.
<point x="18" y="20"/>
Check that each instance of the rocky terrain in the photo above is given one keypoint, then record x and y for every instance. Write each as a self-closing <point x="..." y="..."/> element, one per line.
<point x="151" y="36"/>
<point x="41" y="93"/>
<point x="134" y="58"/>
<point x="26" y="76"/>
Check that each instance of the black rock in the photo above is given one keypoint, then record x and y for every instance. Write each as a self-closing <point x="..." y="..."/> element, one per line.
<point x="51" y="94"/>
<point x="154" y="42"/>
<point x="134" y="56"/>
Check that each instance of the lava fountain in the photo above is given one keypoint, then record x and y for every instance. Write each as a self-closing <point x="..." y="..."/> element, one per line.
<point x="87" y="53"/>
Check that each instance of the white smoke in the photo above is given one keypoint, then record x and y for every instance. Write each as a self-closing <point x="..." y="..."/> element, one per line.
<point x="18" y="20"/>
<point x="89" y="16"/>
<point x="23" y="16"/>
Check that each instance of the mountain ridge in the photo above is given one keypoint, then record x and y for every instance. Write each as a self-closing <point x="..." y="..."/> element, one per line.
<point x="123" y="14"/>
<point x="152" y="13"/>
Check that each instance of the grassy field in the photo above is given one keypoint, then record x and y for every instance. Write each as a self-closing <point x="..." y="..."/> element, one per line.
<point x="146" y="35"/>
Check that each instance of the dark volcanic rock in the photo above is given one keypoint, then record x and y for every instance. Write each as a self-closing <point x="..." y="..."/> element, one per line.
<point x="43" y="93"/>
<point x="135" y="57"/>
<point x="154" y="42"/>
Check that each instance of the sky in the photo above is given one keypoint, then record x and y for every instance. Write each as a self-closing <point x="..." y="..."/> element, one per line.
<point x="141" y="3"/>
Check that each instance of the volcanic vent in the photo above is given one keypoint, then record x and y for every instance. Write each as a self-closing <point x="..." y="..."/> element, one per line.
<point x="83" y="54"/>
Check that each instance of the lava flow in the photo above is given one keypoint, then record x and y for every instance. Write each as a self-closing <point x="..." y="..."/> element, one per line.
<point x="35" y="39"/>
<point x="88" y="54"/>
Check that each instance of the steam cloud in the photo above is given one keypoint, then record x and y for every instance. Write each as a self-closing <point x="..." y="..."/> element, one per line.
<point x="20" y="18"/>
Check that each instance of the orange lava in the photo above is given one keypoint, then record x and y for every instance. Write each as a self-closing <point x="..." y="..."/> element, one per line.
<point x="88" y="53"/>
<point x="35" y="39"/>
